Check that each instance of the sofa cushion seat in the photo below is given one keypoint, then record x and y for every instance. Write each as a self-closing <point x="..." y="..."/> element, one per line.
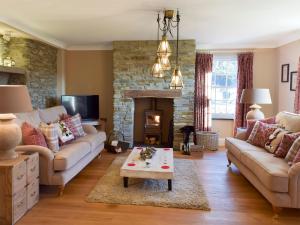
<point x="236" y="147"/>
<point x="271" y="171"/>
<point x="70" y="154"/>
<point x="93" y="139"/>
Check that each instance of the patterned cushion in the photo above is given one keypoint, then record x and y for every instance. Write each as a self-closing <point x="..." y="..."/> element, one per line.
<point x="251" y="123"/>
<point x="64" y="133"/>
<point x="51" y="134"/>
<point x="260" y="133"/>
<point x="32" y="136"/>
<point x="293" y="151"/>
<point x="74" y="124"/>
<point x="285" y="144"/>
<point x="274" y="140"/>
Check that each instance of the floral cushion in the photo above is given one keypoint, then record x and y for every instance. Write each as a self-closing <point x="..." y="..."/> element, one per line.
<point x="260" y="133"/>
<point x="251" y="123"/>
<point x="285" y="144"/>
<point x="32" y="136"/>
<point x="64" y="133"/>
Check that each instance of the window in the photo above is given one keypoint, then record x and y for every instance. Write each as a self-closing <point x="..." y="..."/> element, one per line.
<point x="224" y="86"/>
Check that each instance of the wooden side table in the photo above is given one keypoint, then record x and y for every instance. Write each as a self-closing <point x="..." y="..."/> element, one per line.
<point x="19" y="187"/>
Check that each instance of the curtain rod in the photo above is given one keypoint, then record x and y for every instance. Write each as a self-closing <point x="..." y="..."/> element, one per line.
<point x="225" y="50"/>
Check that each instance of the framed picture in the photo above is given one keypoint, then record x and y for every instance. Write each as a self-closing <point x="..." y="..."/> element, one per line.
<point x="293" y="82"/>
<point x="285" y="72"/>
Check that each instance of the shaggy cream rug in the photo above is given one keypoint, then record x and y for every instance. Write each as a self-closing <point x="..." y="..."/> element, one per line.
<point x="187" y="193"/>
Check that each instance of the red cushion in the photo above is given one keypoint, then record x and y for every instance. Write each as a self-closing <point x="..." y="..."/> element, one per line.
<point x="251" y="123"/>
<point x="285" y="144"/>
<point x="32" y="136"/>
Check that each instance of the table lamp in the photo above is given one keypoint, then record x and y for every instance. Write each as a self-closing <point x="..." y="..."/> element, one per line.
<point x="255" y="96"/>
<point x="13" y="99"/>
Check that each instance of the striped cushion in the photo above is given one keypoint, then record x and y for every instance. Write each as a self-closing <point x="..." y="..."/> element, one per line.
<point x="51" y="134"/>
<point x="293" y="151"/>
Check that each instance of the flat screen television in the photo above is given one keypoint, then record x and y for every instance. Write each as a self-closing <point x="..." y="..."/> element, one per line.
<point x="86" y="105"/>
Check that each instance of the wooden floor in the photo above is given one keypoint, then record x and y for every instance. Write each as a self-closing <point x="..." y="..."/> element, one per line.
<point x="233" y="200"/>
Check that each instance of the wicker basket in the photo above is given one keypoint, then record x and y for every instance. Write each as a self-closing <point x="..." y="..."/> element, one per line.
<point x="208" y="140"/>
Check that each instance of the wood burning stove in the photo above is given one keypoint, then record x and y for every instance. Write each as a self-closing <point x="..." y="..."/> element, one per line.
<point x="153" y="127"/>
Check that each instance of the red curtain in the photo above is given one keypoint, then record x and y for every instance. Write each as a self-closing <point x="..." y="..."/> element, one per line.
<point x="202" y="91"/>
<point x="297" y="93"/>
<point x="244" y="80"/>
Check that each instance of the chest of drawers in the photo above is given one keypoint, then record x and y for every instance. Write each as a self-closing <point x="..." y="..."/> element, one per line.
<point x="19" y="187"/>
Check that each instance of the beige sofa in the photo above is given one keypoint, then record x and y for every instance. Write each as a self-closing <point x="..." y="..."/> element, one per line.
<point x="273" y="177"/>
<point x="59" y="168"/>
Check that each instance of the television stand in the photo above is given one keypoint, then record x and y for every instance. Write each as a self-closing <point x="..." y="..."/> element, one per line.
<point x="99" y="124"/>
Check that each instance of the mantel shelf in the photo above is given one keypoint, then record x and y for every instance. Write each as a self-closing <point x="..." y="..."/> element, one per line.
<point x="12" y="70"/>
<point x="152" y="93"/>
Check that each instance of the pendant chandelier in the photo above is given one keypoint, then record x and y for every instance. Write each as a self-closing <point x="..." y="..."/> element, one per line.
<point x="162" y="62"/>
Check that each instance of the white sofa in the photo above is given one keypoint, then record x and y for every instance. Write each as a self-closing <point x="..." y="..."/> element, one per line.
<point x="59" y="168"/>
<point x="278" y="182"/>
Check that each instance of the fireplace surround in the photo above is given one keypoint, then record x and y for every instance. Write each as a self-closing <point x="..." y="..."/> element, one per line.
<point x="132" y="62"/>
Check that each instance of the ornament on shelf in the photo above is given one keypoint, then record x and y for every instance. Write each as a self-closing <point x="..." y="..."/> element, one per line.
<point x="9" y="62"/>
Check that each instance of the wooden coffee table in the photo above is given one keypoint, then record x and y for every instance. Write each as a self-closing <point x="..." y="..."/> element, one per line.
<point x="161" y="166"/>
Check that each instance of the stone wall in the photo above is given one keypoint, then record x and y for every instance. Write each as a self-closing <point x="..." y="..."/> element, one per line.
<point x="132" y="64"/>
<point x="40" y="62"/>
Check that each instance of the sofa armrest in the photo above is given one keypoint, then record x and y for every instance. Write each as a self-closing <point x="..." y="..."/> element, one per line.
<point x="46" y="157"/>
<point x="294" y="184"/>
<point x="241" y="134"/>
<point x="89" y="129"/>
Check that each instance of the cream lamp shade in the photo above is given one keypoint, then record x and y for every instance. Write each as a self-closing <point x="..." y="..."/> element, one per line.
<point x="255" y="96"/>
<point x="13" y="99"/>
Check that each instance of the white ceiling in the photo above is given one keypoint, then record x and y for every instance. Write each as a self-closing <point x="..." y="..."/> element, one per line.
<point x="215" y="24"/>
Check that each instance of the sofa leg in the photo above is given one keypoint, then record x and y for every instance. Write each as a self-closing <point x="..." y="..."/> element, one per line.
<point x="61" y="189"/>
<point x="229" y="162"/>
<point x="277" y="211"/>
<point x="99" y="156"/>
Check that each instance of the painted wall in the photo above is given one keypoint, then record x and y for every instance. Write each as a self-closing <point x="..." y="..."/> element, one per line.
<point x="286" y="54"/>
<point x="90" y="72"/>
<point x="265" y="76"/>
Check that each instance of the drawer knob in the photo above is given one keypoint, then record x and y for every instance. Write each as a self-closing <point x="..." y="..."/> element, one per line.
<point x="20" y="204"/>
<point x="20" y="177"/>
<point x="33" y="169"/>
